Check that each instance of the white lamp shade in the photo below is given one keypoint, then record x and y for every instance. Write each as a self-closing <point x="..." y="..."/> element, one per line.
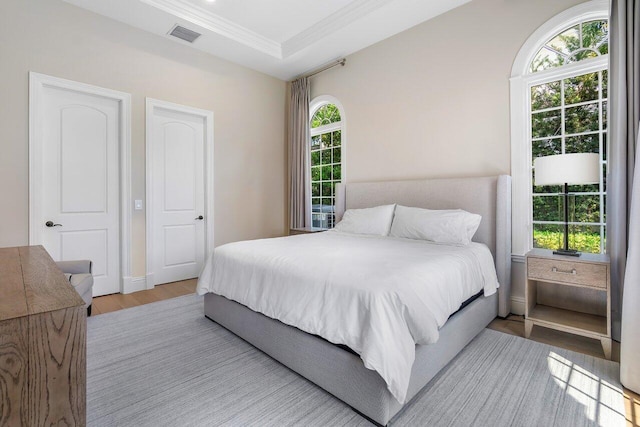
<point x="577" y="168"/>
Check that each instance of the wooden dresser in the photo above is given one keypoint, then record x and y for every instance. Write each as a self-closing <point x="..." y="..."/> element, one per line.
<point x="42" y="342"/>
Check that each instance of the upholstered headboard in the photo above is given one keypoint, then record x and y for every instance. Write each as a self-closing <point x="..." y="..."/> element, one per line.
<point x="489" y="197"/>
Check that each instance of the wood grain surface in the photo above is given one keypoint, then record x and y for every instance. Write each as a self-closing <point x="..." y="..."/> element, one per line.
<point x="14" y="360"/>
<point x="42" y="342"/>
<point x="13" y="302"/>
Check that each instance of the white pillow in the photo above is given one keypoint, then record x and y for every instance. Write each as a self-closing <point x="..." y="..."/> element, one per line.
<point x="376" y="221"/>
<point x="454" y="226"/>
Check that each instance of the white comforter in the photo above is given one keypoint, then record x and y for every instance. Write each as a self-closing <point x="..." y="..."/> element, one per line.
<point x="380" y="296"/>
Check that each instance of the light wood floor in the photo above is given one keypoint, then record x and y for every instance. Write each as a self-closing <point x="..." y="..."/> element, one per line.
<point x="116" y="302"/>
<point x="513" y="325"/>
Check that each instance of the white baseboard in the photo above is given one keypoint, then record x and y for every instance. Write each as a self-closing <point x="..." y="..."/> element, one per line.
<point x="133" y="284"/>
<point x="517" y="305"/>
<point x="150" y="282"/>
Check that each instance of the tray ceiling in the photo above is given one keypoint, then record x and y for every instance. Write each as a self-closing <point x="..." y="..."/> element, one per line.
<point x="282" y="38"/>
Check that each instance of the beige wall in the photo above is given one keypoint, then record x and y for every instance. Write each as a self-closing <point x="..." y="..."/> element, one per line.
<point x="55" y="38"/>
<point x="433" y="101"/>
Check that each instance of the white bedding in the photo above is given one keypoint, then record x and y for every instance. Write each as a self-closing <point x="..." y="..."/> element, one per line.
<point x="380" y="296"/>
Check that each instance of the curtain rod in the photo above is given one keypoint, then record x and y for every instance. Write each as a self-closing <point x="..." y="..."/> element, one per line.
<point x="335" y="63"/>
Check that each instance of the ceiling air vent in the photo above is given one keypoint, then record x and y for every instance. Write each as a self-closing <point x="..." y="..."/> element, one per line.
<point x="184" y="33"/>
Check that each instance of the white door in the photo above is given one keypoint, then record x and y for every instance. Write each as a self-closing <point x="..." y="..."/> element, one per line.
<point x="177" y="204"/>
<point x="79" y="181"/>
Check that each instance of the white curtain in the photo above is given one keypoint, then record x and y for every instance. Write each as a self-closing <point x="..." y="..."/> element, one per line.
<point x="299" y="139"/>
<point x="623" y="204"/>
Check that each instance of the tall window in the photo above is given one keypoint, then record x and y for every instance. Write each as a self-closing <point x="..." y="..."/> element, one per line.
<point x="569" y="115"/>
<point x="326" y="161"/>
<point x="559" y="106"/>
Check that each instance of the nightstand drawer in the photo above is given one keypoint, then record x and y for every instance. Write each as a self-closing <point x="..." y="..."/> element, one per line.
<point x="578" y="273"/>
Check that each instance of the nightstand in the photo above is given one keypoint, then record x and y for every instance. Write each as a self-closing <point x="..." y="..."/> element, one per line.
<point x="569" y="294"/>
<point x="305" y="230"/>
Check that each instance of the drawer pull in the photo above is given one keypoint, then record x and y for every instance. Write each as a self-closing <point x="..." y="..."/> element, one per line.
<point x="572" y="272"/>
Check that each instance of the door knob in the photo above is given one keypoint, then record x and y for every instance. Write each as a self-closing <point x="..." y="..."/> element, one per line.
<point x="200" y="217"/>
<point x="51" y="224"/>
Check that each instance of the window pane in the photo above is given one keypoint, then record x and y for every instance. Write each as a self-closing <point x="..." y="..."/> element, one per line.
<point x="549" y="236"/>
<point x="546" y="147"/>
<point x="583" y="54"/>
<point x="326" y="157"/>
<point x="337" y="155"/>
<point x="326" y="140"/>
<point x="566" y="42"/>
<point x="548" y="208"/>
<point x="581" y="88"/>
<point x="546" y="58"/>
<point x="315" y="189"/>
<point x="594" y="33"/>
<point x="545" y="124"/>
<point x="604" y="147"/>
<point x="604" y="115"/>
<point x="583" y="118"/>
<point x="326" y="189"/>
<point x="584" y="208"/>
<point x="585" y="238"/>
<point x="327" y="202"/>
<point x="337" y="172"/>
<point x="315" y="205"/>
<point x="605" y="83"/>
<point x="326" y="173"/>
<point x="315" y="174"/>
<point x="337" y="138"/>
<point x="588" y="188"/>
<point x="315" y="142"/>
<point x="582" y="144"/>
<point x="604" y="49"/>
<point x="325" y="115"/>
<point x="545" y="96"/>
<point x="547" y="189"/>
<point x="315" y="158"/>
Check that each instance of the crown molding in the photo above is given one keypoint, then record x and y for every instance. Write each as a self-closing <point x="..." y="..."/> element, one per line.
<point x="226" y="28"/>
<point x="336" y="21"/>
<point x="217" y="24"/>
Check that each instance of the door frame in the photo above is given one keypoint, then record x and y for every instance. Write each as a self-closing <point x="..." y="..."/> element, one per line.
<point x="37" y="83"/>
<point x="207" y="115"/>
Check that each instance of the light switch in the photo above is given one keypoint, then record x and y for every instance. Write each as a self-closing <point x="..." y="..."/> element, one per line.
<point x="138" y="205"/>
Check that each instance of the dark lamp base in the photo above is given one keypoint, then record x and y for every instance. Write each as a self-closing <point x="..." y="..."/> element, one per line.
<point x="566" y="252"/>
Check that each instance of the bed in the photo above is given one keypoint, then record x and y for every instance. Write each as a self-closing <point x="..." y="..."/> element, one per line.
<point x="340" y="370"/>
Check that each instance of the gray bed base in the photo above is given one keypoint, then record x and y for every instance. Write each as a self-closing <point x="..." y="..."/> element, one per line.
<point x="342" y="373"/>
<point x="339" y="371"/>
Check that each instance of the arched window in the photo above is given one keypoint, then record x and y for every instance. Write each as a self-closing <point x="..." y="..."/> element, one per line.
<point x="327" y="159"/>
<point x="559" y="105"/>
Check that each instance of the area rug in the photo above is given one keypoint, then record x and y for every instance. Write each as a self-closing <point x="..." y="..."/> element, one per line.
<point x="165" y="364"/>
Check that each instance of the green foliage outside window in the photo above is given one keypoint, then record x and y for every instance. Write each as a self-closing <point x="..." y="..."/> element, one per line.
<point x="570" y="116"/>
<point x="326" y="165"/>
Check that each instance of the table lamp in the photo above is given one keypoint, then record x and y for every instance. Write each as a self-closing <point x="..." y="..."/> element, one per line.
<point x="567" y="169"/>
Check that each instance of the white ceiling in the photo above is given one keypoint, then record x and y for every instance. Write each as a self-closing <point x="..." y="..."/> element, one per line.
<point x="283" y="38"/>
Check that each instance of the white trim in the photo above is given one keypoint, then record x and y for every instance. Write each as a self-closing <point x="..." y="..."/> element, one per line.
<point x="520" y="100"/>
<point x="37" y="82"/>
<point x="517" y="305"/>
<point x="217" y="24"/>
<point x="134" y="284"/>
<point x="349" y="14"/>
<point x="208" y="177"/>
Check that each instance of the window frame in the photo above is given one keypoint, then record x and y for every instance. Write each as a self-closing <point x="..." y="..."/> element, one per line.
<point x="315" y="104"/>
<point x="521" y="82"/>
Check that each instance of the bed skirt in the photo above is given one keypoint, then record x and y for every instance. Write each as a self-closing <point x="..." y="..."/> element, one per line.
<point x="341" y="372"/>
